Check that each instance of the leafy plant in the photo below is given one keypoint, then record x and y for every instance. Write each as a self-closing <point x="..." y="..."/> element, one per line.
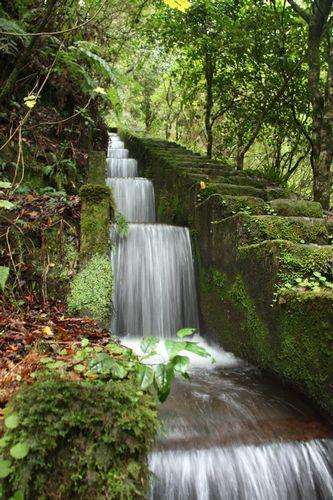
<point x="121" y="224"/>
<point x="62" y="172"/>
<point x="160" y="375"/>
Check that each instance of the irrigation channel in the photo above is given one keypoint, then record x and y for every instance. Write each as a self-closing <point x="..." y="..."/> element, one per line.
<point x="228" y="433"/>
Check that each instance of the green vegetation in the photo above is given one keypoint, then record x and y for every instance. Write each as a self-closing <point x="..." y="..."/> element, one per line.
<point x="96" y="215"/>
<point x="91" y="290"/>
<point x="68" y="438"/>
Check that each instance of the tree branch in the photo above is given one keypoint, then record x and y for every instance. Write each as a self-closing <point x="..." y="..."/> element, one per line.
<point x="299" y="10"/>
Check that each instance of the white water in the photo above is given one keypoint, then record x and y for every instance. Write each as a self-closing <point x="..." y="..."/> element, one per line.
<point x="154" y="281"/>
<point x="122" y="167"/>
<point x="134" y="198"/>
<point x="228" y="434"/>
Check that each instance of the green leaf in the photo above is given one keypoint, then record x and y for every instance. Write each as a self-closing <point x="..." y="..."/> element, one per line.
<point x="164" y="375"/>
<point x="19" y="450"/>
<point x="5" y="185"/>
<point x="5" y="468"/>
<point x="185" y="332"/>
<point x="118" y="370"/>
<point x="180" y="363"/>
<point x="148" y="344"/>
<point x="85" y="342"/>
<point x="8" y="205"/>
<point x="4" y="274"/>
<point x="79" y="368"/>
<point x="4" y="441"/>
<point x="145" y="376"/>
<point x="12" y="421"/>
<point x="197" y="349"/>
<point x="173" y="347"/>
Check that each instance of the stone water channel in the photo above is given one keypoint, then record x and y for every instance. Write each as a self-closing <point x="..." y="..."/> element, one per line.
<point x="228" y="433"/>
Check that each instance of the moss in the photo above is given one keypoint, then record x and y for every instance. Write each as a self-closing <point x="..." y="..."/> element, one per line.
<point x="253" y="335"/>
<point x="97" y="167"/>
<point x="86" y="440"/>
<point x="237" y="190"/>
<point x="305" y="355"/>
<point x="91" y="290"/>
<point x="276" y="192"/>
<point x="248" y="204"/>
<point x="297" y="208"/>
<point x="96" y="214"/>
<point x="92" y="193"/>
<point x="296" y="229"/>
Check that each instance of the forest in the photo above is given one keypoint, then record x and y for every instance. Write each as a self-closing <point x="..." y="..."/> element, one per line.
<point x="226" y="106"/>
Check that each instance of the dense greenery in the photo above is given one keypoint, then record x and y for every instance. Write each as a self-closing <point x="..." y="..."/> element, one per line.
<point x="251" y="81"/>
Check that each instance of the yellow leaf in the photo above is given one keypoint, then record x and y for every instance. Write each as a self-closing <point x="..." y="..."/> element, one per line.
<point x="181" y="5"/>
<point x="30" y="101"/>
<point x="202" y="185"/>
<point x="31" y="104"/>
<point x="47" y="330"/>
<point x="100" y="90"/>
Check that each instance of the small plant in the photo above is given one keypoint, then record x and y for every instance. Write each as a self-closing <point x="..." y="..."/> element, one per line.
<point x="121" y="224"/>
<point x="61" y="172"/>
<point x="160" y="375"/>
<point x="314" y="283"/>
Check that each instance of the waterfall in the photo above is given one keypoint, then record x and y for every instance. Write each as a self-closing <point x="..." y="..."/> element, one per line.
<point x="134" y="198"/>
<point x="122" y="167"/>
<point x="228" y="433"/>
<point x="154" y="281"/>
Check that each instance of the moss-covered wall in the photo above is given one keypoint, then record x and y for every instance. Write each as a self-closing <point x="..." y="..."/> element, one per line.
<point x="91" y="288"/>
<point x="264" y="267"/>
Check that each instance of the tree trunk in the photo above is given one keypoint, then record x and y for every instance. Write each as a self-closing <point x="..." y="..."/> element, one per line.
<point x="209" y="75"/>
<point x="322" y="176"/>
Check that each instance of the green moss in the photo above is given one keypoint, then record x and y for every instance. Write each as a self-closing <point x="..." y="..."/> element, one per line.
<point x="305" y="356"/>
<point x="91" y="290"/>
<point x="297" y="229"/>
<point x="276" y="192"/>
<point x="237" y="190"/>
<point x="97" y="167"/>
<point x="96" y="214"/>
<point x="92" y="193"/>
<point x="252" y="335"/>
<point x="86" y="440"/>
<point x="297" y="208"/>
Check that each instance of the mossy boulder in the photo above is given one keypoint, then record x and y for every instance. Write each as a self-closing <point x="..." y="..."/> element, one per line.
<point x="297" y="208"/>
<point x="91" y="290"/>
<point x="79" y="439"/>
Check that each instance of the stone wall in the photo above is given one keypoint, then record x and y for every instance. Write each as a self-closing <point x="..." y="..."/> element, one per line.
<point x="264" y="262"/>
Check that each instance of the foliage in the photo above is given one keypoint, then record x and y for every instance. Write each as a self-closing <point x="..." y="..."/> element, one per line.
<point x="4" y="273"/>
<point x="72" y="438"/>
<point x="91" y="289"/>
<point x="160" y="375"/>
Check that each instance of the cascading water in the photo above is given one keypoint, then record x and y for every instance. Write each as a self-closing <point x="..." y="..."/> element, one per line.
<point x="227" y="434"/>
<point x="134" y="198"/>
<point x="153" y="269"/>
<point x="122" y="167"/>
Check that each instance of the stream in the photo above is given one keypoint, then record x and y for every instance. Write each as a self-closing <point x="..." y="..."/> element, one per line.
<point x="228" y="433"/>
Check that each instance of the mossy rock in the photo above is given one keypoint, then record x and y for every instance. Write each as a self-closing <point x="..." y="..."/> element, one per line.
<point x="91" y="290"/>
<point x="85" y="440"/>
<point x="302" y="208"/>
<point x="254" y="229"/>
<point x="95" y="193"/>
<point x="231" y="205"/>
<point x="236" y="190"/>
<point x="273" y="193"/>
